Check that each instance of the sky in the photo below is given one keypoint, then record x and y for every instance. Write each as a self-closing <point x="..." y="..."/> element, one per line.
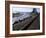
<point x="22" y="9"/>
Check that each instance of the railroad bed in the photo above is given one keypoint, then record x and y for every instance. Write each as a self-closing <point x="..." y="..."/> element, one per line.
<point x="23" y="24"/>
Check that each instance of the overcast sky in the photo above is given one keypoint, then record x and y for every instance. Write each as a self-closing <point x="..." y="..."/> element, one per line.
<point x="16" y="9"/>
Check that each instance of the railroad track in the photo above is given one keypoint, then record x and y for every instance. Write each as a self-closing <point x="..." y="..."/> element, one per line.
<point x="24" y="24"/>
<point x="28" y="25"/>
